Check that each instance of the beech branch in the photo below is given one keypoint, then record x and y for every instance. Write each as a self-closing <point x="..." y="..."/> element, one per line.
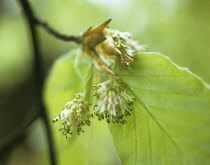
<point x="55" y="33"/>
<point x="38" y="22"/>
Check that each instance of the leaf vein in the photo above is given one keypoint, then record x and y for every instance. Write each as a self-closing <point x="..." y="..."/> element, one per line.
<point x="135" y="138"/>
<point x="155" y="76"/>
<point x="150" y="144"/>
<point x="157" y="122"/>
<point x="165" y="92"/>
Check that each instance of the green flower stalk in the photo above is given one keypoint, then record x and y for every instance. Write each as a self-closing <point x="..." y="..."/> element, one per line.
<point x="74" y="116"/>
<point x="113" y="101"/>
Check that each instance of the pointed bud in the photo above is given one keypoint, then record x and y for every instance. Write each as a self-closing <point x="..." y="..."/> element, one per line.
<point x="94" y="35"/>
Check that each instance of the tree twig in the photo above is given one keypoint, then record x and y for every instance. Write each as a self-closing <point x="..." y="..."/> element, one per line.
<point x="38" y="75"/>
<point x="48" y="28"/>
<point x="57" y="34"/>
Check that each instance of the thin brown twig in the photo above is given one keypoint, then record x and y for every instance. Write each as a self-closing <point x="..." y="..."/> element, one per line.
<point x="65" y="37"/>
<point x="57" y="34"/>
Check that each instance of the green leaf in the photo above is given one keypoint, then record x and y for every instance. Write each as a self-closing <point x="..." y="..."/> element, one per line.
<point x="171" y="117"/>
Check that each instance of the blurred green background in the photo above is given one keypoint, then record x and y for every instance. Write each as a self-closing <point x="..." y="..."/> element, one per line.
<point x="179" y="29"/>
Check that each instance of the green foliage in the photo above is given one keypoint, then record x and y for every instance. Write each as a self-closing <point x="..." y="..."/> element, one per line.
<point x="181" y="32"/>
<point x="170" y="122"/>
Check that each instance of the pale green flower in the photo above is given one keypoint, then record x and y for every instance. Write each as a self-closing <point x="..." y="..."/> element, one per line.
<point x="74" y="116"/>
<point x="113" y="101"/>
<point x="125" y="44"/>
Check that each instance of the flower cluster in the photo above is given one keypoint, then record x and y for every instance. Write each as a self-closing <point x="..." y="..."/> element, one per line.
<point x="125" y="44"/>
<point x="113" y="101"/>
<point x="105" y="46"/>
<point x="74" y="116"/>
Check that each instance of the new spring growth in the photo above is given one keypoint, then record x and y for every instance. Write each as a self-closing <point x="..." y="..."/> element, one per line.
<point x="105" y="46"/>
<point x="74" y="116"/>
<point x="113" y="101"/>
